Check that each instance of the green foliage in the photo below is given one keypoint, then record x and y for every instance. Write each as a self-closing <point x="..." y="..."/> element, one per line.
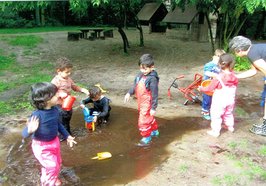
<point x="242" y="64"/>
<point x="29" y="41"/>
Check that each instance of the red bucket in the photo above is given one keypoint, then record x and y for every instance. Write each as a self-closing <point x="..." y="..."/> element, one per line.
<point x="206" y="83"/>
<point x="68" y="103"/>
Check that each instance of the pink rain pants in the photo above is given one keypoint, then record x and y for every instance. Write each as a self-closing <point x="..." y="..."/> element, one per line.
<point x="49" y="156"/>
<point x="222" y="107"/>
<point x="146" y="122"/>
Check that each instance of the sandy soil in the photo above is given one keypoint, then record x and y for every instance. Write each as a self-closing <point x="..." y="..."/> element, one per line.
<point x="196" y="159"/>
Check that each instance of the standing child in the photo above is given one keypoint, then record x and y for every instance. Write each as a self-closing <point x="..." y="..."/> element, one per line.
<point x="100" y="105"/>
<point x="211" y="69"/>
<point x="223" y="100"/>
<point x="65" y="84"/>
<point x="146" y="90"/>
<point x="44" y="125"/>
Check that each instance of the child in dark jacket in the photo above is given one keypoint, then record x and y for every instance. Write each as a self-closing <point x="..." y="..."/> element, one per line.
<point x="101" y="108"/>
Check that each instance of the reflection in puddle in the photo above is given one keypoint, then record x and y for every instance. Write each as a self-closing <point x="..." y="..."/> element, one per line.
<point x="128" y="162"/>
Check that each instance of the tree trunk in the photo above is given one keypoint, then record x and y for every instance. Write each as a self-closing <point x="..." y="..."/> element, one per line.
<point x="210" y="29"/>
<point x="141" y="38"/>
<point x="42" y="16"/>
<point x="261" y="24"/>
<point x="124" y="37"/>
<point x="37" y="15"/>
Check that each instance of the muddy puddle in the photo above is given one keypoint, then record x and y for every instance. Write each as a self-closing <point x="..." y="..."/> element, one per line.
<point x="128" y="161"/>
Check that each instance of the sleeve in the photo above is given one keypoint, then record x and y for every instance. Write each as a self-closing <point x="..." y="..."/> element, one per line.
<point x="132" y="89"/>
<point x="25" y="133"/>
<point x="213" y="85"/>
<point x="105" y="107"/>
<point x="154" y="92"/>
<point x="86" y="101"/>
<point x="63" y="131"/>
<point x="55" y="81"/>
<point x="208" y="67"/>
<point x="74" y="87"/>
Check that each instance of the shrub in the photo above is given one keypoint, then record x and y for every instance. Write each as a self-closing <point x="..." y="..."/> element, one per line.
<point x="242" y="64"/>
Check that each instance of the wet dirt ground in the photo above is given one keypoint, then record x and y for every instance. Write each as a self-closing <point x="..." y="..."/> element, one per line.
<point x="183" y="154"/>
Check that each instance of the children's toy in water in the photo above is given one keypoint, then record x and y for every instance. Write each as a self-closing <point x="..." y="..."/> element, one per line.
<point x="99" y="86"/>
<point x="68" y="102"/>
<point x="89" y="124"/>
<point x="206" y="83"/>
<point x="102" y="156"/>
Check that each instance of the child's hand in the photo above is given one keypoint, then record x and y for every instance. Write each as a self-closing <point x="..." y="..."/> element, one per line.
<point x="71" y="141"/>
<point x="82" y="106"/>
<point x="33" y="124"/>
<point x="152" y="112"/>
<point x="85" y="91"/>
<point x="62" y="95"/>
<point x="199" y="87"/>
<point x="95" y="119"/>
<point x="126" y="99"/>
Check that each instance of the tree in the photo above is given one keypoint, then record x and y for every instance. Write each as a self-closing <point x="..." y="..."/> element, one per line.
<point x="232" y="14"/>
<point x="122" y="7"/>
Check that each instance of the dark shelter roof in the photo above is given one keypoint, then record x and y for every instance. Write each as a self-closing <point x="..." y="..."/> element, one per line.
<point x="179" y="16"/>
<point x="148" y="10"/>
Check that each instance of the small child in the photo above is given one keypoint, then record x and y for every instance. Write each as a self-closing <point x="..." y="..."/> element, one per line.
<point x="44" y="125"/>
<point x="65" y="84"/>
<point x="146" y="90"/>
<point x="211" y="69"/>
<point x="223" y="101"/>
<point x="100" y="105"/>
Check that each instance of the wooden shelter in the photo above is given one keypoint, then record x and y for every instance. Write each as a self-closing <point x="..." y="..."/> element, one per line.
<point x="151" y="15"/>
<point x="184" y="23"/>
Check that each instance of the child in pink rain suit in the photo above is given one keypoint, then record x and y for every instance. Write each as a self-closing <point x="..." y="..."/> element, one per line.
<point x="223" y="100"/>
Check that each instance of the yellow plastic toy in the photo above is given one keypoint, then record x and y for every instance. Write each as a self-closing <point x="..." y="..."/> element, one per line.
<point x="102" y="156"/>
<point x="99" y="86"/>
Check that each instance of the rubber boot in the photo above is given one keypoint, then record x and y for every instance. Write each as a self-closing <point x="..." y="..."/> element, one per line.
<point x="145" y="141"/>
<point x="155" y="133"/>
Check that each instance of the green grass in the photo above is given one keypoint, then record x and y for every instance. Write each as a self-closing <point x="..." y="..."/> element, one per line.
<point x="37" y="30"/>
<point x="183" y="168"/>
<point x="248" y="165"/>
<point x="29" y="41"/>
<point x="6" y="62"/>
<point x="262" y="150"/>
<point x="20" y="74"/>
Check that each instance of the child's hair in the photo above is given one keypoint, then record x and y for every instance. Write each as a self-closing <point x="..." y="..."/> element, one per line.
<point x="219" y="52"/>
<point x="226" y="61"/>
<point x="63" y="63"/>
<point x="94" y="91"/>
<point x="41" y="93"/>
<point x="146" y="60"/>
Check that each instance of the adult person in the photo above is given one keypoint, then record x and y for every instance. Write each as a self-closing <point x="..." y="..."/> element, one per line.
<point x="256" y="53"/>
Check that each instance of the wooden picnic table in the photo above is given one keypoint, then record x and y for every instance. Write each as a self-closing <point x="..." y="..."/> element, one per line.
<point x="96" y="30"/>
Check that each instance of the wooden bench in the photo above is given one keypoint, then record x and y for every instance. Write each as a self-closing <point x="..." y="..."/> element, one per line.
<point x="73" y="36"/>
<point x="108" y="33"/>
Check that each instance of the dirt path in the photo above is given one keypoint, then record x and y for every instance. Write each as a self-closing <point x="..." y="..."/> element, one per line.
<point x="197" y="159"/>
